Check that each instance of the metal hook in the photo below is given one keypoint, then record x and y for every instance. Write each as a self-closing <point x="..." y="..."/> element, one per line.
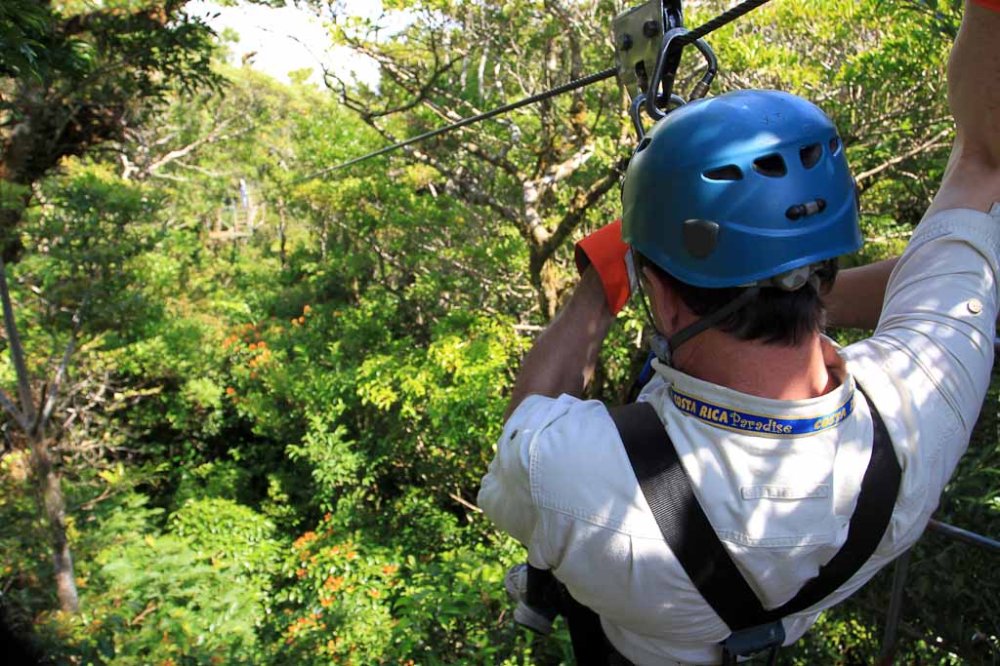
<point x="666" y="71"/>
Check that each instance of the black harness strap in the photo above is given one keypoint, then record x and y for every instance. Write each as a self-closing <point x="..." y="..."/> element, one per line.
<point x="692" y="539"/>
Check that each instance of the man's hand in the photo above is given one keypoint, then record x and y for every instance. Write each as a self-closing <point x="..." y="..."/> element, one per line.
<point x="565" y="354"/>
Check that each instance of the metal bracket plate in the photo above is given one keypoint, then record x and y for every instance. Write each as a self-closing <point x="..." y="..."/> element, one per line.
<point x="638" y="35"/>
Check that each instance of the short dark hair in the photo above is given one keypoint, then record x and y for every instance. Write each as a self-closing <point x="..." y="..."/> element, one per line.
<point x="776" y="316"/>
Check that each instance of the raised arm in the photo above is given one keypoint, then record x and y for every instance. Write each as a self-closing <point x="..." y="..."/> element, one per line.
<point x="972" y="179"/>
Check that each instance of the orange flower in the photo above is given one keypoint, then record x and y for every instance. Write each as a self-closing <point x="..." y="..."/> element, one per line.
<point x="326" y="602"/>
<point x="304" y="539"/>
<point x="301" y="573"/>
<point x="306" y="309"/>
<point x="390" y="569"/>
<point x="252" y="346"/>
<point x="302" y="320"/>
<point x="334" y="583"/>
<point x="374" y="594"/>
<point x="230" y="390"/>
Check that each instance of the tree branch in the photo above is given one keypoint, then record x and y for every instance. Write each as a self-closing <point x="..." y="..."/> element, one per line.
<point x="930" y="144"/>
<point x="211" y="137"/>
<point x="16" y="349"/>
<point x="15" y="413"/>
<point x="57" y="380"/>
<point x="581" y="204"/>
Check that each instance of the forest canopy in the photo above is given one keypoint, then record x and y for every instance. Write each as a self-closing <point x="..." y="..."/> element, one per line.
<point x="248" y="401"/>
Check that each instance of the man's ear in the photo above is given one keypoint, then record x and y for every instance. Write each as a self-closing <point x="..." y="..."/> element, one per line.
<point x="664" y="302"/>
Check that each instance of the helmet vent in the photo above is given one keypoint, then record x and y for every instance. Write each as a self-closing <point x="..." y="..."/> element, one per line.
<point x="834" y="145"/>
<point x="644" y="144"/>
<point x="772" y="166"/>
<point x="811" y="155"/>
<point x="731" y="172"/>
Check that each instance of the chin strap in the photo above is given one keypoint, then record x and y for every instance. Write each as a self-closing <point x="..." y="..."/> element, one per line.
<point x="705" y="323"/>
<point x="664" y="348"/>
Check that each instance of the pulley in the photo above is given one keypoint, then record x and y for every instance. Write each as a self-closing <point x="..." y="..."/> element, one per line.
<point x="649" y="42"/>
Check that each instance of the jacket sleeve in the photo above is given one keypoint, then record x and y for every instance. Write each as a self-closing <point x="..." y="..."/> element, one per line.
<point x="508" y="495"/>
<point x="941" y="306"/>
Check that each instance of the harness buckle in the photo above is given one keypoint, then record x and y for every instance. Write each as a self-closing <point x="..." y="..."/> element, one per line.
<point x="750" y="641"/>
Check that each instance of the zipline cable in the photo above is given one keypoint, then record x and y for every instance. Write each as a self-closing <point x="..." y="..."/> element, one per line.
<point x="534" y="99"/>
<point x="724" y="19"/>
<point x="711" y="26"/>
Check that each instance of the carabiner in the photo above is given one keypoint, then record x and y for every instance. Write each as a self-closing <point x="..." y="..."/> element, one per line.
<point x="665" y="73"/>
<point x="635" y="112"/>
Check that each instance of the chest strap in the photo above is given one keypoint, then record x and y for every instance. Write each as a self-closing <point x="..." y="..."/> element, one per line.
<point x="693" y="540"/>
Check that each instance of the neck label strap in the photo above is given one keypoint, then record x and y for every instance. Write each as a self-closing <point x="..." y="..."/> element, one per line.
<point x="758" y="424"/>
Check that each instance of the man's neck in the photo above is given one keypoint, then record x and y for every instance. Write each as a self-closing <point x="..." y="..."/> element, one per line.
<point x="780" y="372"/>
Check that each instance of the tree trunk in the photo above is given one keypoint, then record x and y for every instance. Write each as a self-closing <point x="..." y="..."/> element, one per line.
<point x="282" y="232"/>
<point x="545" y="279"/>
<point x="53" y="507"/>
<point x="32" y="421"/>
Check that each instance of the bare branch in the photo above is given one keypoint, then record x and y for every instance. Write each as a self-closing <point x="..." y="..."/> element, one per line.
<point x="931" y="144"/>
<point x="15" y="413"/>
<point x="211" y="137"/>
<point x="57" y="380"/>
<point x="464" y="502"/>
<point x="578" y="209"/>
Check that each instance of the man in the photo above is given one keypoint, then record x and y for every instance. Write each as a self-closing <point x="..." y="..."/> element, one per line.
<point x="772" y="423"/>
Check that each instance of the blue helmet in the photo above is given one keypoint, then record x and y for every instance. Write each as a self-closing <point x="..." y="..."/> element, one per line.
<point x="751" y="187"/>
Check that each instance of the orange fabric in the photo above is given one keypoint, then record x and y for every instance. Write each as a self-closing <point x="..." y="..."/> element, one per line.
<point x="605" y="250"/>
<point x="989" y="4"/>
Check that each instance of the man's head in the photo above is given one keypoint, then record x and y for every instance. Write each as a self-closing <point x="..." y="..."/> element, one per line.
<point x="773" y="316"/>
<point x="747" y="190"/>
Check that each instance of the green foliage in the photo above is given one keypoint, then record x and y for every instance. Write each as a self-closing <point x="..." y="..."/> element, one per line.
<point x="349" y="601"/>
<point x="25" y="41"/>
<point x="194" y="594"/>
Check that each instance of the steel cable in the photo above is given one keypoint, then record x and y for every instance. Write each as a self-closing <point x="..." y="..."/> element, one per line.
<point x="707" y="28"/>
<point x="527" y="101"/>
<point x="724" y="19"/>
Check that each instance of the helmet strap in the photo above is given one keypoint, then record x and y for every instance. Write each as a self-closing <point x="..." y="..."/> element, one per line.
<point x="665" y="348"/>
<point x="705" y="323"/>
